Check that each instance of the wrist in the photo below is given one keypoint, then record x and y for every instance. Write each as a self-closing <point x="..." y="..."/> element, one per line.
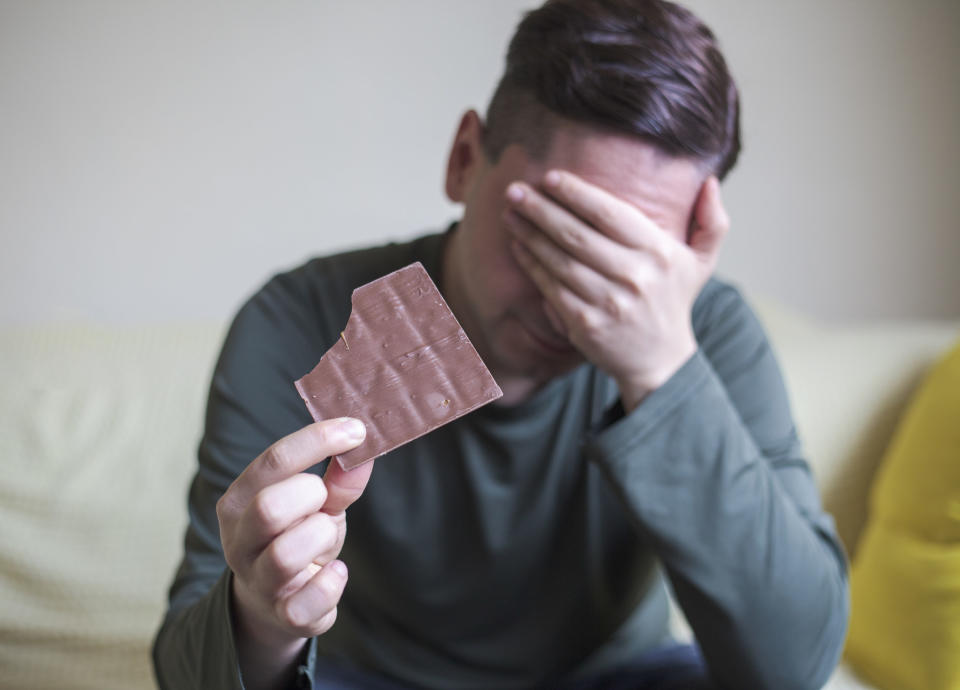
<point x="636" y="387"/>
<point x="266" y="654"/>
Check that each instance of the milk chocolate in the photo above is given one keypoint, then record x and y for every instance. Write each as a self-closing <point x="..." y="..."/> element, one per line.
<point x="402" y="365"/>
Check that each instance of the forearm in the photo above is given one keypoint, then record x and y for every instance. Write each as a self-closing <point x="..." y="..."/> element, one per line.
<point x="195" y="647"/>
<point x="761" y="579"/>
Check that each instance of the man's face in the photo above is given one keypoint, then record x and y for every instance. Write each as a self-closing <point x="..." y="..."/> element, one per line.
<point x="498" y="305"/>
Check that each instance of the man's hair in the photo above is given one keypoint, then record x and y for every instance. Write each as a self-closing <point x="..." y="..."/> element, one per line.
<point x="645" y="68"/>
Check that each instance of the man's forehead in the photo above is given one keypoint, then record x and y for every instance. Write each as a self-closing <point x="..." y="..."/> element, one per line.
<point x="599" y="152"/>
<point x="662" y="186"/>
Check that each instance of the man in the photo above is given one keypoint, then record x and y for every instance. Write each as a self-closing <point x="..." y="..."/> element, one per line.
<point x="644" y="435"/>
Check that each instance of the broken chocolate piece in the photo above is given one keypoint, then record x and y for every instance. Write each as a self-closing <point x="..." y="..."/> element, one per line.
<point x="402" y="365"/>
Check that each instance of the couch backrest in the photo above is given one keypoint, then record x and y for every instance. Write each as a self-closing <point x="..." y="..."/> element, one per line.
<point x="98" y="434"/>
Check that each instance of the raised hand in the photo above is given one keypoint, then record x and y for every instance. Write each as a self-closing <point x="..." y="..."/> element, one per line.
<point x="282" y="530"/>
<point x="620" y="288"/>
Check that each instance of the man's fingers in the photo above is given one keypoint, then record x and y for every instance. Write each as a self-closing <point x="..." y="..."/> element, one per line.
<point x="316" y="539"/>
<point x="617" y="219"/>
<point x="276" y="508"/>
<point x="530" y="208"/>
<point x="570" y="270"/>
<point x="312" y="609"/>
<point x="609" y="253"/>
<point x="297" y="452"/>
<point x="710" y="222"/>
<point x="344" y="486"/>
<point x="565" y="303"/>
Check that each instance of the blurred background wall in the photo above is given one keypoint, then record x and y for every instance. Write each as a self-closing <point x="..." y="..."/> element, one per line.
<point x="159" y="160"/>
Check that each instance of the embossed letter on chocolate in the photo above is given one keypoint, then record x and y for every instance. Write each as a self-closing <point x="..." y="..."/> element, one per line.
<point x="402" y="365"/>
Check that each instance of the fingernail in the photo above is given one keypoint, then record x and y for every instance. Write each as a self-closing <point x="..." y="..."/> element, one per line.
<point x="353" y="429"/>
<point x="339" y="567"/>
<point x="552" y="178"/>
<point x="515" y="192"/>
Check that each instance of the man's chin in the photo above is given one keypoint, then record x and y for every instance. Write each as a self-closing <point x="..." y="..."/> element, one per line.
<point x="544" y="342"/>
<point x="521" y="379"/>
<point x="528" y="354"/>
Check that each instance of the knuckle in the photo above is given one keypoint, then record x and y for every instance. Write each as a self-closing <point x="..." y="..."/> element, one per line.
<point x="229" y="506"/>
<point x="315" y="483"/>
<point x="276" y="458"/>
<point x="294" y="616"/>
<point x="605" y="217"/>
<point x="664" y="255"/>
<point x="572" y="238"/>
<point x="616" y="305"/>
<point x="315" y="626"/>
<point x="328" y="530"/>
<point x="333" y="541"/>
<point x="635" y="285"/>
<point x="587" y="322"/>
<point x="283" y="559"/>
<point x="330" y="588"/>
<point x="336" y="586"/>
<point x="223" y="508"/>
<point x="326" y="432"/>
<point x="307" y="619"/>
<point x="325" y="623"/>
<point x="564" y="264"/>
<point x="268" y="510"/>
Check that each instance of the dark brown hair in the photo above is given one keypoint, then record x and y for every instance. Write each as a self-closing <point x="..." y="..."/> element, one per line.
<point x="646" y="68"/>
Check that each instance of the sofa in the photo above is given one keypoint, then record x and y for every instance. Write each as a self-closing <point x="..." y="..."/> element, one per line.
<point x="98" y="430"/>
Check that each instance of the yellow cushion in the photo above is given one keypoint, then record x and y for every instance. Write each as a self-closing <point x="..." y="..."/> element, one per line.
<point x="905" y="580"/>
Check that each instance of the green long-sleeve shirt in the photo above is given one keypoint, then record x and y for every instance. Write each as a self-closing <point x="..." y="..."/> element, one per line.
<point x="522" y="544"/>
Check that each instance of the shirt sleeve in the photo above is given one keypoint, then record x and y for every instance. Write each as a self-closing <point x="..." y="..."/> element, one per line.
<point x="252" y="403"/>
<point x="711" y="469"/>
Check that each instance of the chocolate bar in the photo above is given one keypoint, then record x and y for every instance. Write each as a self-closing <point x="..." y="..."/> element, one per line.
<point x="402" y="365"/>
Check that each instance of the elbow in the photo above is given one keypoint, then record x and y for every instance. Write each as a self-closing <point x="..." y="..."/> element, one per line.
<point x="798" y="649"/>
<point x="814" y="651"/>
<point x="829" y="648"/>
<point x="809" y="666"/>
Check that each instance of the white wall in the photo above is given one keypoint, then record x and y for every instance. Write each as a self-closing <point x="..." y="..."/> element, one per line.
<point x="158" y="160"/>
<point x="845" y="205"/>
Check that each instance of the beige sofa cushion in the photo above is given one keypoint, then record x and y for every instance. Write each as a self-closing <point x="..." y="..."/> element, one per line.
<point x="98" y="429"/>
<point x="849" y="385"/>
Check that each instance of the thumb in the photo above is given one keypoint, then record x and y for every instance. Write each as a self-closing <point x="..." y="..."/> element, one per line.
<point x="710" y="222"/>
<point x="344" y="486"/>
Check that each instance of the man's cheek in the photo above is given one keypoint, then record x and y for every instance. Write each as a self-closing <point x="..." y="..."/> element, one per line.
<point x="511" y="276"/>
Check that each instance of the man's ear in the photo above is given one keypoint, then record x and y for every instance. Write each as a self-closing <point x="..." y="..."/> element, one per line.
<point x="466" y="156"/>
